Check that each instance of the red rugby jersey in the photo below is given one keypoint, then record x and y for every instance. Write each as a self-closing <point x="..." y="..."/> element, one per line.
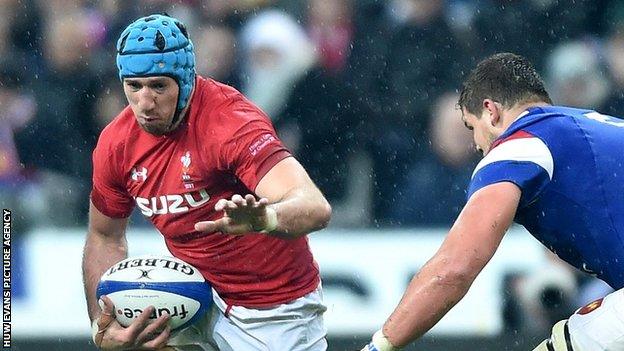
<point x="224" y="147"/>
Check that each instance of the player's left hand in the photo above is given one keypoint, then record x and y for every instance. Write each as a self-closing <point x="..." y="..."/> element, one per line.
<point x="241" y="216"/>
<point x="108" y="334"/>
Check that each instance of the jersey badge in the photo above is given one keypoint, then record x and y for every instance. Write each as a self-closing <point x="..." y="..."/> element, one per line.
<point x="139" y="174"/>
<point x="186" y="167"/>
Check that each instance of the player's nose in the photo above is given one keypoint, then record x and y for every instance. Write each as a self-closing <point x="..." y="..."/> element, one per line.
<point x="146" y="101"/>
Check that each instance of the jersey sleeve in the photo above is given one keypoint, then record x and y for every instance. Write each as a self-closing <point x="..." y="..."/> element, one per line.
<point x="253" y="149"/>
<point x="107" y="194"/>
<point x="526" y="162"/>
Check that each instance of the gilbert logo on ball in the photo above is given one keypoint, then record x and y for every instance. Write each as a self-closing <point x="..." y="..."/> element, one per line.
<point x="169" y="284"/>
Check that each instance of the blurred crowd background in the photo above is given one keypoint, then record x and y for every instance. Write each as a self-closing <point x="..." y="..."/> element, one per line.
<point x="363" y="92"/>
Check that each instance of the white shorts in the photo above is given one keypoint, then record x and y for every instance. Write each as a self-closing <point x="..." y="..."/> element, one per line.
<point x="599" y="325"/>
<point x="294" y="326"/>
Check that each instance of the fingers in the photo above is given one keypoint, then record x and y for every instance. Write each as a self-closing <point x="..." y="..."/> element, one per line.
<point x="106" y="322"/>
<point x="240" y="214"/>
<point x="206" y="226"/>
<point x="106" y="304"/>
<point x="153" y="330"/>
<point x="213" y="226"/>
<point x="228" y="205"/>
<point x="238" y="201"/>
<point x="224" y="225"/>
<point x="140" y="322"/>
<point x="108" y="312"/>
<point x="140" y="333"/>
<point x="263" y="202"/>
<point x="256" y="204"/>
<point x="160" y="341"/>
<point x="250" y="200"/>
<point x="220" y="205"/>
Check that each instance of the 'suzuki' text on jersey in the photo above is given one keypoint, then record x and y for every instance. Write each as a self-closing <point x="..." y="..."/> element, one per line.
<point x="164" y="204"/>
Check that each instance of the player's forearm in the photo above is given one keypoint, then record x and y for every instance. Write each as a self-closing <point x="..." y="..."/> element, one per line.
<point x="430" y="295"/>
<point x="99" y="254"/>
<point x="446" y="278"/>
<point x="300" y="212"/>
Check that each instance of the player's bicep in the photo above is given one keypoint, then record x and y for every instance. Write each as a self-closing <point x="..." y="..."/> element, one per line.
<point x="252" y="151"/>
<point x="287" y="176"/>
<point x="480" y="227"/>
<point x="106" y="228"/>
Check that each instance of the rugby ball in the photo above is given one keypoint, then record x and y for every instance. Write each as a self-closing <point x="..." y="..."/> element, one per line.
<point x="169" y="284"/>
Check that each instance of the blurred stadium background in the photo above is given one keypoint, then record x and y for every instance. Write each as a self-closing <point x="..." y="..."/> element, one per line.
<point x="362" y="91"/>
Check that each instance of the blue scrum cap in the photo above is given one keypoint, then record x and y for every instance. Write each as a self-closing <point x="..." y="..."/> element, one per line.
<point x="158" y="45"/>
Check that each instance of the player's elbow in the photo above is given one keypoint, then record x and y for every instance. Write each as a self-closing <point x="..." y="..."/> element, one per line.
<point x="454" y="278"/>
<point x="459" y="266"/>
<point x="460" y="276"/>
<point x="324" y="214"/>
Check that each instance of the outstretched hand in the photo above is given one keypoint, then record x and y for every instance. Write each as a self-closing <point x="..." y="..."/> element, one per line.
<point x="137" y="336"/>
<point x="241" y="216"/>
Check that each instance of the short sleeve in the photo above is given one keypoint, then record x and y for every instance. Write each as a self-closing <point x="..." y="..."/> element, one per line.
<point x="107" y="194"/>
<point x="526" y="162"/>
<point x="253" y="150"/>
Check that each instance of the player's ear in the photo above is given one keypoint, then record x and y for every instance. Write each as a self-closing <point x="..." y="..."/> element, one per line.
<point x="491" y="111"/>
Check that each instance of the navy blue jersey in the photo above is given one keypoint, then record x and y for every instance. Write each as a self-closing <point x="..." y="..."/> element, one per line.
<point x="569" y="164"/>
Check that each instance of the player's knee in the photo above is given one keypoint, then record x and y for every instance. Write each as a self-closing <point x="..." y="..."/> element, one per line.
<point x="559" y="339"/>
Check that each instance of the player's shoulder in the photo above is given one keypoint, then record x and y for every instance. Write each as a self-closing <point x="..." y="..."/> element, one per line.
<point x="225" y="108"/>
<point x="218" y="96"/>
<point x="537" y="127"/>
<point x="218" y="90"/>
<point x="548" y="116"/>
<point x="550" y="123"/>
<point x="564" y="110"/>
<point x="519" y="146"/>
<point x="116" y="132"/>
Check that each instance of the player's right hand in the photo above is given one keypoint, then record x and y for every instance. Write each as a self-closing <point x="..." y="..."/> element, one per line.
<point x="139" y="335"/>
<point x="242" y="215"/>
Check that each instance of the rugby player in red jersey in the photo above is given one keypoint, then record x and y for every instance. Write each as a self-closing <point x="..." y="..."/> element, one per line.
<point x="205" y="166"/>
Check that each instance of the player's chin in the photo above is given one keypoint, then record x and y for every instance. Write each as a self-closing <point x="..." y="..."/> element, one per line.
<point x="154" y="128"/>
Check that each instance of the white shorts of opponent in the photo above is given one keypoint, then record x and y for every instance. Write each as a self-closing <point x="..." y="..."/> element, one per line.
<point x="294" y="326"/>
<point x="598" y="326"/>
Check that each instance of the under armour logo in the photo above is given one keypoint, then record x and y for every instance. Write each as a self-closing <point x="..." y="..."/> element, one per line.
<point x="139" y="174"/>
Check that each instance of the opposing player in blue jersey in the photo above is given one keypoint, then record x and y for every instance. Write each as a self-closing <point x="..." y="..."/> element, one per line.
<point x="557" y="171"/>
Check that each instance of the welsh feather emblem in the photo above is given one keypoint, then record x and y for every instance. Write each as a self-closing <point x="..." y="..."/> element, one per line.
<point x="186" y="167"/>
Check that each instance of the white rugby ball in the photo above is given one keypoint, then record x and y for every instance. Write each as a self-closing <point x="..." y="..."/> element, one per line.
<point x="165" y="282"/>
